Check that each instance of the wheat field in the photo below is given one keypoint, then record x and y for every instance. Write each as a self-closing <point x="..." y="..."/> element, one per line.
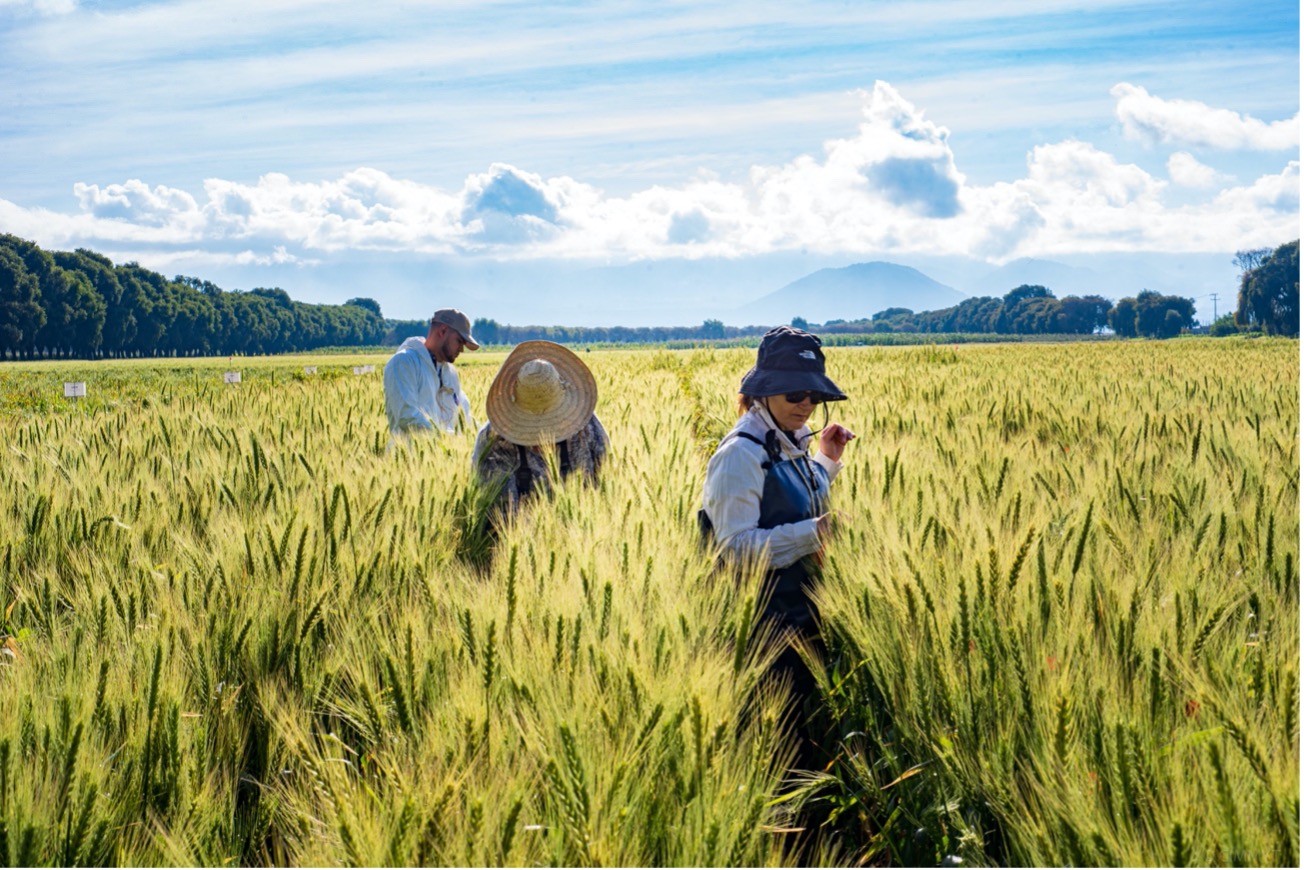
<point x="240" y="626"/>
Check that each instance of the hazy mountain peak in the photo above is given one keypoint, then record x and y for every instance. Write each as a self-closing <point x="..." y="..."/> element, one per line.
<point x="851" y="293"/>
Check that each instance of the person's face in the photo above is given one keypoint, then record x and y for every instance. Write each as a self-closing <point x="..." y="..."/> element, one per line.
<point x="792" y="415"/>
<point x="448" y="344"/>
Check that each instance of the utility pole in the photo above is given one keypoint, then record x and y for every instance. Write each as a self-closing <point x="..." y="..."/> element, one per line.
<point x="1214" y="297"/>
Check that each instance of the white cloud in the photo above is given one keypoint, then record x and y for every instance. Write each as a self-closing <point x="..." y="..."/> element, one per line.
<point x="1079" y="173"/>
<point x="1271" y="197"/>
<point x="893" y="187"/>
<point x="365" y="209"/>
<point x="508" y="206"/>
<point x="1087" y="201"/>
<point x="1186" y="171"/>
<point x="1152" y="119"/>
<point x="135" y="202"/>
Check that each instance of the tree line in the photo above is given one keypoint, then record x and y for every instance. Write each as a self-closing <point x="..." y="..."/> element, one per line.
<point x="489" y="331"/>
<point x="79" y="304"/>
<point x="1268" y="299"/>
<point x="1031" y="309"/>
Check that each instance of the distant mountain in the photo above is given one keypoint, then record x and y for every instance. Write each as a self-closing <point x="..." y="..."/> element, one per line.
<point x="849" y="293"/>
<point x="686" y="292"/>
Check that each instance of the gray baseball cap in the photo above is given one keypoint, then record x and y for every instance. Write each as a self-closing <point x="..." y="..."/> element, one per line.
<point x="460" y="324"/>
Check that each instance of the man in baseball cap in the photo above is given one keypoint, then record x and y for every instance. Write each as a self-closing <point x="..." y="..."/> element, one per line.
<point x="422" y="390"/>
<point x="457" y="322"/>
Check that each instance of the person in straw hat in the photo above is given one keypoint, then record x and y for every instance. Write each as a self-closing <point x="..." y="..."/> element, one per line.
<point x="765" y="498"/>
<point x="422" y="390"/>
<point x="541" y="400"/>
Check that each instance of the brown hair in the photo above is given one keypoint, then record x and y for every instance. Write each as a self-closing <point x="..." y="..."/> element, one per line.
<point x="745" y="403"/>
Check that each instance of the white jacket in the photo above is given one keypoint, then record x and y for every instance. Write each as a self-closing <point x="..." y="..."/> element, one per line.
<point x="732" y="494"/>
<point x="423" y="394"/>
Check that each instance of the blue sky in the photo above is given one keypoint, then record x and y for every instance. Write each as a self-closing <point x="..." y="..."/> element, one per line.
<point x="207" y="138"/>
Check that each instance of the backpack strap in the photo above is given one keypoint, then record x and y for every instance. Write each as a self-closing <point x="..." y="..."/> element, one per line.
<point x="524" y="480"/>
<point x="770" y="445"/>
<point x="564" y="460"/>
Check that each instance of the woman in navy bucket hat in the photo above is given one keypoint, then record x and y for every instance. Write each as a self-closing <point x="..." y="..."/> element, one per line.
<point x="766" y="497"/>
<point x="789" y="360"/>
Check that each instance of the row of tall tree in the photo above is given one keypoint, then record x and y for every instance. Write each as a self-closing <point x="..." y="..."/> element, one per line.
<point x="79" y="304"/>
<point x="1031" y="309"/>
<point x="489" y="331"/>
<point x="1025" y="310"/>
<point x="1268" y="301"/>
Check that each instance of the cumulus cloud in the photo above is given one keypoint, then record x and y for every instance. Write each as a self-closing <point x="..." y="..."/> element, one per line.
<point x="1186" y="171"/>
<point x="904" y="157"/>
<point x="1081" y="174"/>
<point x="1088" y="201"/>
<point x="1275" y="196"/>
<point x="365" y="209"/>
<point x="138" y="203"/>
<point x="506" y="205"/>
<point x="893" y="187"/>
<point x="1152" y="119"/>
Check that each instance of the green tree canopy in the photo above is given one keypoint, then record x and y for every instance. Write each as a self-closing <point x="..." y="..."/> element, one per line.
<point x="364" y="302"/>
<point x="1025" y="291"/>
<point x="1122" y="317"/>
<point x="1152" y="314"/>
<point x="1082" y="315"/>
<point x="1269" y="294"/>
<point x="21" y="315"/>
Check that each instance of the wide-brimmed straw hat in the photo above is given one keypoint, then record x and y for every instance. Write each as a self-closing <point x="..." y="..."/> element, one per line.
<point x="789" y="361"/>
<point x="543" y="393"/>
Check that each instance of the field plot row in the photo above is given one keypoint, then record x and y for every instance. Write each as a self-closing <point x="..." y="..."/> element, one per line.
<point x="242" y="626"/>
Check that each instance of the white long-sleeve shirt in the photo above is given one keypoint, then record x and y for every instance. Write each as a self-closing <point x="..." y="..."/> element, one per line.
<point x="423" y="394"/>
<point x="732" y="494"/>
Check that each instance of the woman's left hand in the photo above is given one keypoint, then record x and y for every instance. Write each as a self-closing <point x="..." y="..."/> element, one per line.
<point x="834" y="439"/>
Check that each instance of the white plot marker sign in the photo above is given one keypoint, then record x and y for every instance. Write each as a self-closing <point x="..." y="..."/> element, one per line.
<point x="74" y="389"/>
<point x="310" y="370"/>
<point x="363" y="370"/>
<point x="231" y="377"/>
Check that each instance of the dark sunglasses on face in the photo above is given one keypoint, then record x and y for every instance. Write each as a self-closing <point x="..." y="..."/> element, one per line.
<point x="798" y="398"/>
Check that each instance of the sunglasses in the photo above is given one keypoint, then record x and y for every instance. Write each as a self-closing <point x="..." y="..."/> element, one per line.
<point x="798" y="398"/>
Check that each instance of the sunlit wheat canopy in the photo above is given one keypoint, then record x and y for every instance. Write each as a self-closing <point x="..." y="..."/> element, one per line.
<point x="240" y="627"/>
<point x="263" y="602"/>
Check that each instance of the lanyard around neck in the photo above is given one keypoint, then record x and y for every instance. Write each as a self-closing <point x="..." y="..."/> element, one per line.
<point x="439" y="373"/>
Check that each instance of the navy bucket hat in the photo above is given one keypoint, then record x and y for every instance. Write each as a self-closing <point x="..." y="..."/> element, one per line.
<point x="788" y="361"/>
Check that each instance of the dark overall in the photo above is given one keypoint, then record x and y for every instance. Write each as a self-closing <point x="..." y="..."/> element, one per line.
<point x="525" y="480"/>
